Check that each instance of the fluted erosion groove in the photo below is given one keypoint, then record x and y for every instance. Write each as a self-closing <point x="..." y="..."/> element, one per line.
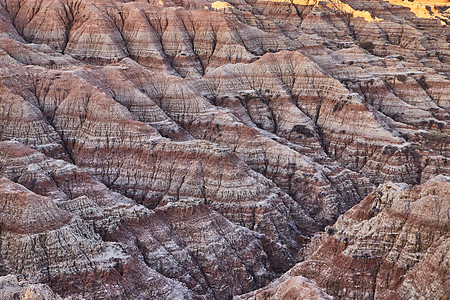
<point x="195" y="149"/>
<point x="393" y="245"/>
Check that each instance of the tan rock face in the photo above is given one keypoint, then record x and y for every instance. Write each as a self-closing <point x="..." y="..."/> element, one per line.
<point x="192" y="149"/>
<point x="13" y="288"/>
<point x="296" y="288"/>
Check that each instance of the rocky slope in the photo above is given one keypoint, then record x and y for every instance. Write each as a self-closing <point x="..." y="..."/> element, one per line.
<point x="13" y="288"/>
<point x="192" y="149"/>
<point x="392" y="245"/>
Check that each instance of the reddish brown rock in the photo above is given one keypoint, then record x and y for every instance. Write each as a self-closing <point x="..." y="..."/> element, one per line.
<point x="53" y="246"/>
<point x="193" y="148"/>
<point x="379" y="247"/>
<point x="295" y="288"/>
<point x="169" y="250"/>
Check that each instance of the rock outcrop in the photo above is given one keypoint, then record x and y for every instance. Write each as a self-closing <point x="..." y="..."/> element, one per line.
<point x="11" y="288"/>
<point x="120" y="237"/>
<point x="295" y="288"/>
<point x="393" y="245"/>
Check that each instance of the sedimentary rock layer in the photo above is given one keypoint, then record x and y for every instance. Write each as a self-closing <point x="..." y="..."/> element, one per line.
<point x="12" y="288"/>
<point x="192" y="149"/>
<point x="393" y="245"/>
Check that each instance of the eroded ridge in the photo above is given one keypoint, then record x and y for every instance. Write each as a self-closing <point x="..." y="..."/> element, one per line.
<point x="388" y="246"/>
<point x="194" y="149"/>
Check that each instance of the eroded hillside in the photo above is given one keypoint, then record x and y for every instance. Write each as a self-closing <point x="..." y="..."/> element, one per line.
<point x="192" y="149"/>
